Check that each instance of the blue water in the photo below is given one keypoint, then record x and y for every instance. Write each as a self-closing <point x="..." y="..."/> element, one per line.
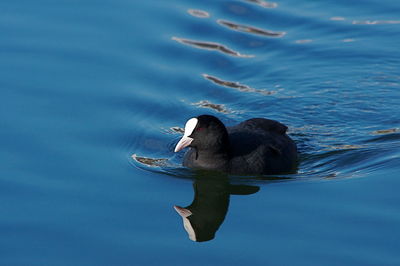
<point x="84" y="85"/>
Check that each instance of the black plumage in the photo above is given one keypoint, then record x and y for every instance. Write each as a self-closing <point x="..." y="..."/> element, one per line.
<point x="255" y="146"/>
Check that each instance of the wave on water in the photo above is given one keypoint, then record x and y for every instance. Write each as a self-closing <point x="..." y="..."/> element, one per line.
<point x="210" y="46"/>
<point x="250" y="29"/>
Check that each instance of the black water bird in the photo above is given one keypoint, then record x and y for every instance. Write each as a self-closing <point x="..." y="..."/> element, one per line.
<point x="255" y="146"/>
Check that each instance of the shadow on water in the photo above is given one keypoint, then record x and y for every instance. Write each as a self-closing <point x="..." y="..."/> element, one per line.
<point x="203" y="217"/>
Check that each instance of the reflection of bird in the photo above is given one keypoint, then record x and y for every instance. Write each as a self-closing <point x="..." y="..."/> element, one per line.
<point x="255" y="146"/>
<point x="204" y="216"/>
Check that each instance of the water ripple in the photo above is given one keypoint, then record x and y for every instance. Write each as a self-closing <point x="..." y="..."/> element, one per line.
<point x="375" y="22"/>
<point x="264" y="4"/>
<point x="337" y="18"/>
<point x="236" y="85"/>
<point x="216" y="107"/>
<point x="176" y="130"/>
<point x="303" y="41"/>
<point x="198" y="13"/>
<point x="210" y="46"/>
<point x="386" y="131"/>
<point x="154" y="162"/>
<point x="342" y="147"/>
<point x="250" y="29"/>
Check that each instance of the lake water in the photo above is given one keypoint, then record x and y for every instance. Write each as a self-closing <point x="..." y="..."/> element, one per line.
<point x="94" y="95"/>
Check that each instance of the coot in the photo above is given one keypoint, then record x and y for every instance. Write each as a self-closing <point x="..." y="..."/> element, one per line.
<point x="255" y="146"/>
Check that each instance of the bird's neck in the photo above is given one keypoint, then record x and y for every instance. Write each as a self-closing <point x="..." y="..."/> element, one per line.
<point x="211" y="159"/>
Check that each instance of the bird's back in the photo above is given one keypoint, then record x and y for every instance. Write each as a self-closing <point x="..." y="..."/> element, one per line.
<point x="261" y="146"/>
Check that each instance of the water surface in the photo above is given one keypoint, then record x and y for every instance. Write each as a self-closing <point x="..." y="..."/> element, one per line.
<point x="87" y="84"/>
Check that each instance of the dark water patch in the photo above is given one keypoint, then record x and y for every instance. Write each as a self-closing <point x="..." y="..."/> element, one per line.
<point x="211" y="46"/>
<point x="250" y="29"/>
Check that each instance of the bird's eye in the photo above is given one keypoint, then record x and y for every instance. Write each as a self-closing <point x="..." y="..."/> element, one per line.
<point x="199" y="128"/>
